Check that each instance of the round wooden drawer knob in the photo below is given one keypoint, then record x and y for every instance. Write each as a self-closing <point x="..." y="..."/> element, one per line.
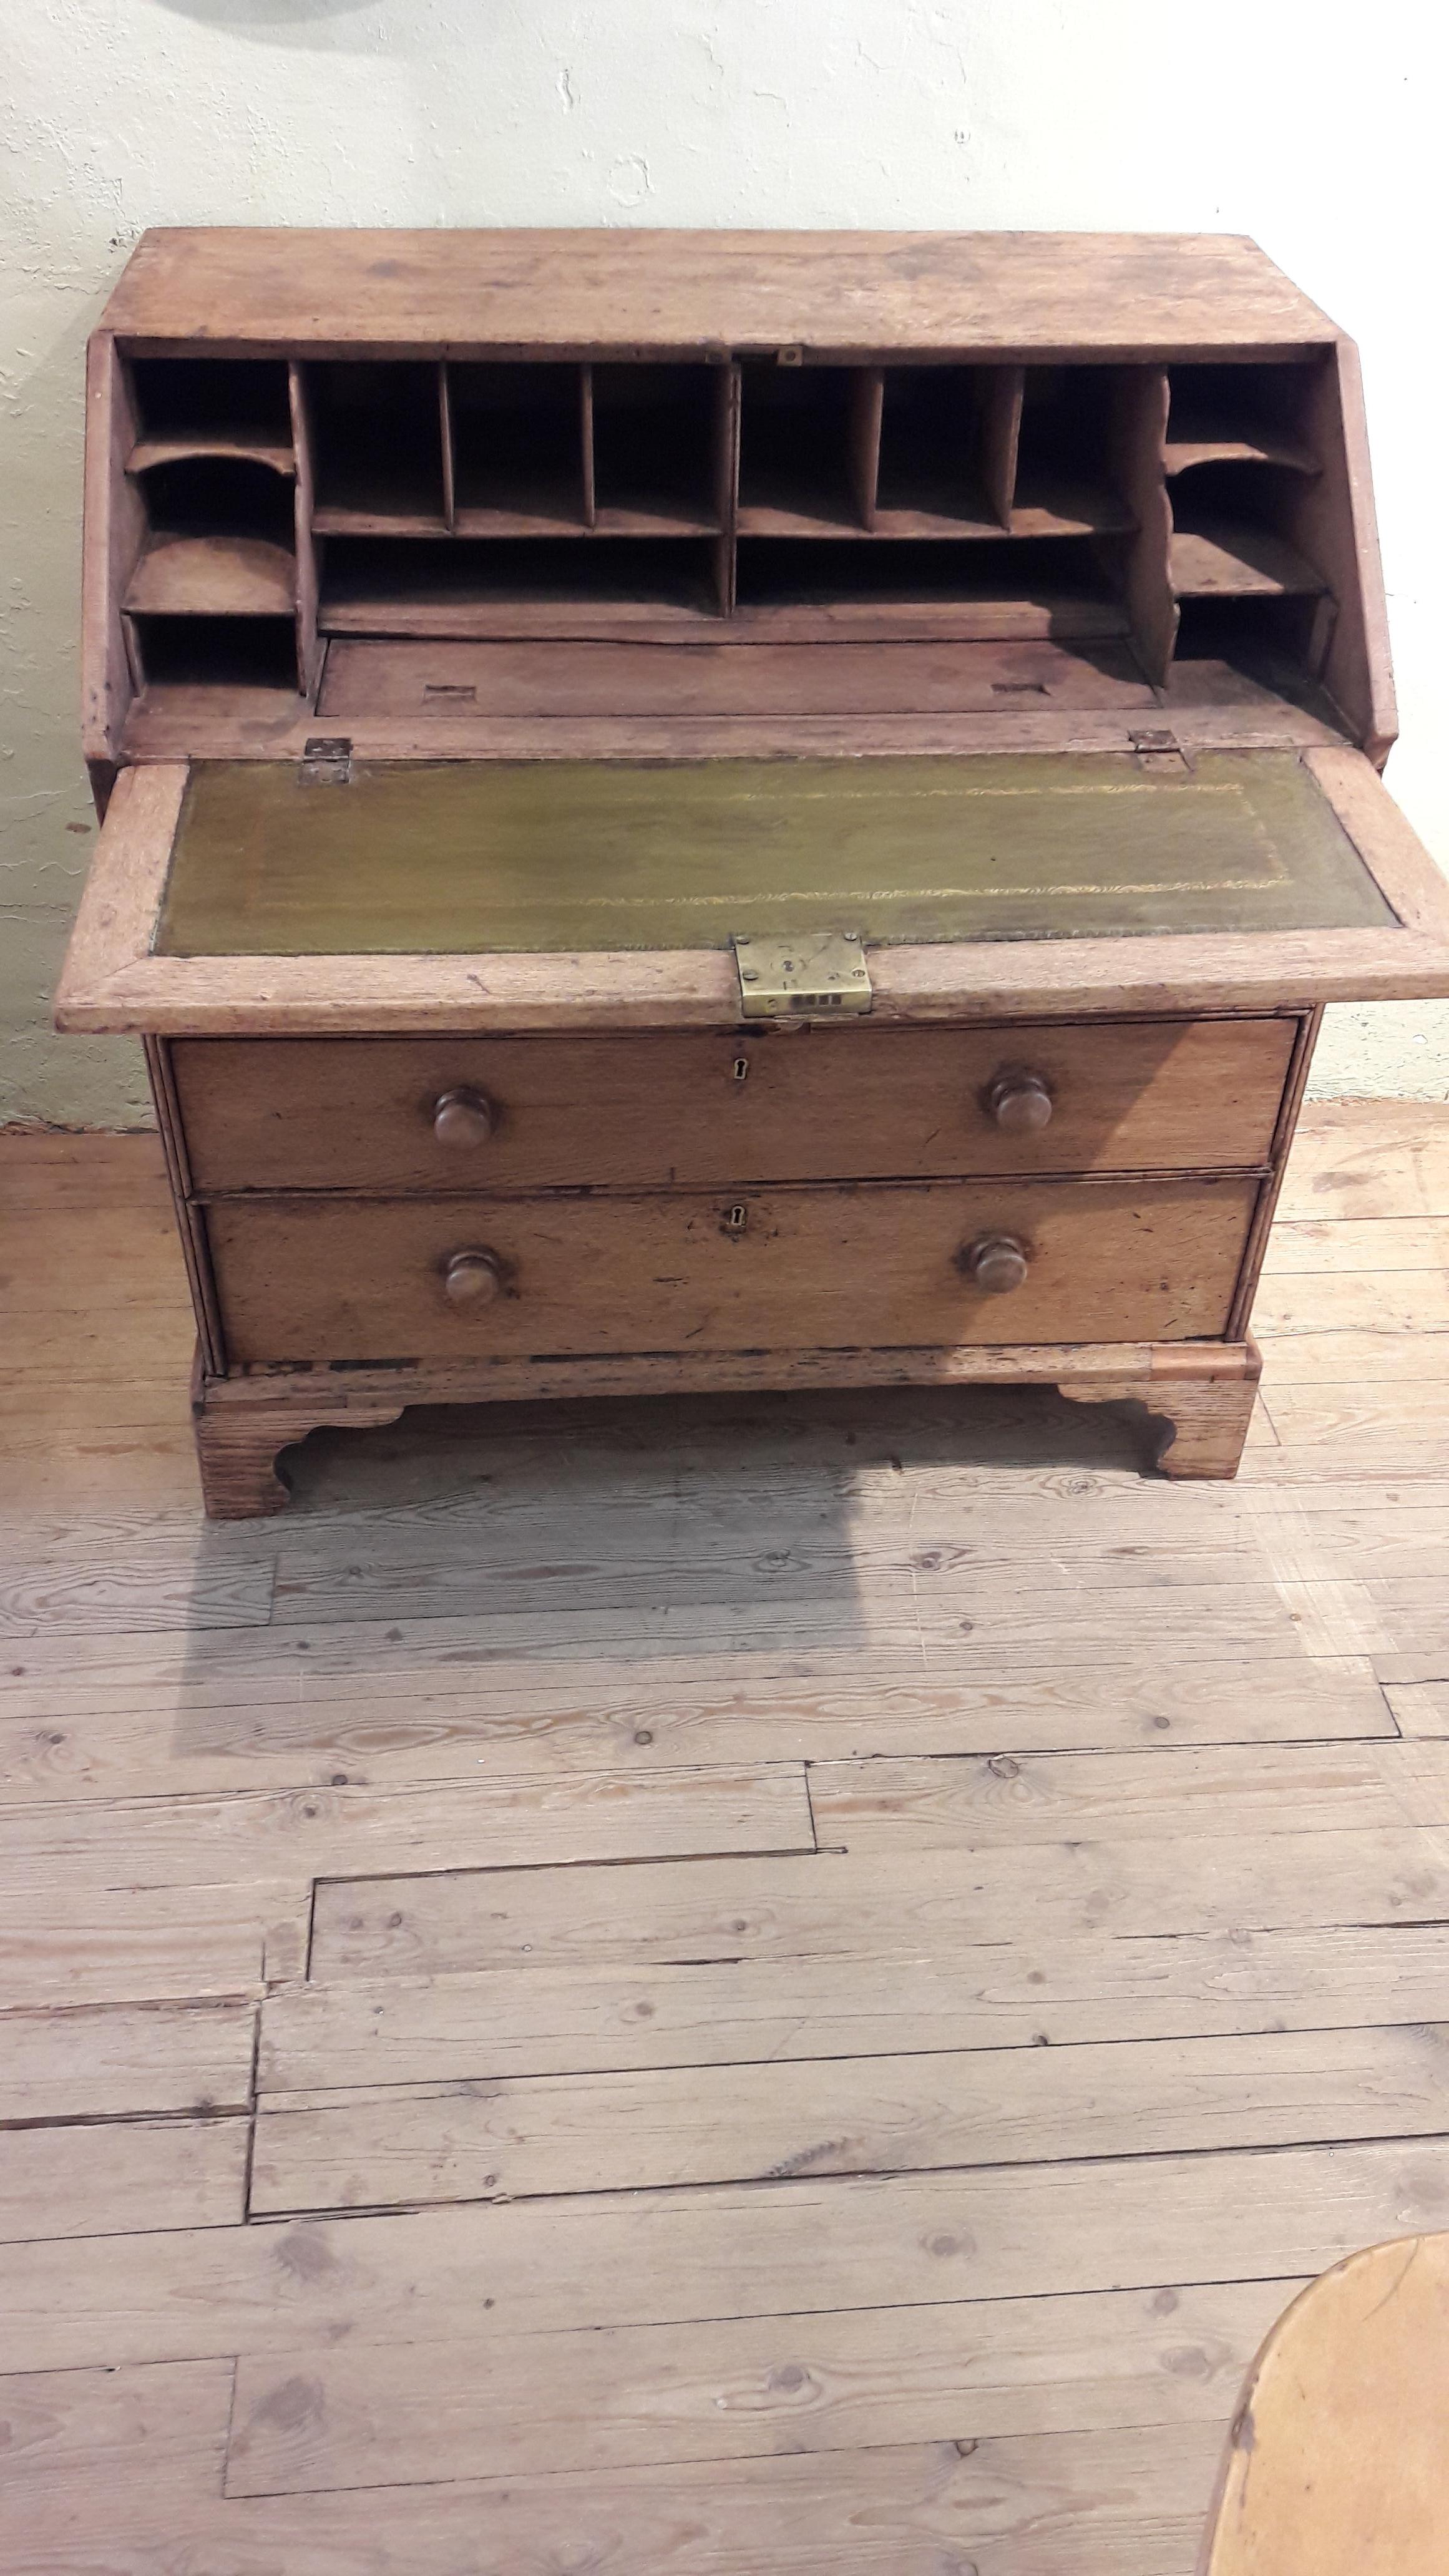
<point x="1019" y="1102"/>
<point x="472" y="1279"/>
<point x="462" y="1119"/>
<point x="997" y="1264"/>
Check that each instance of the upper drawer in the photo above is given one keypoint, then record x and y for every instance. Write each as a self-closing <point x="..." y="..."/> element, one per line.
<point x="665" y="1110"/>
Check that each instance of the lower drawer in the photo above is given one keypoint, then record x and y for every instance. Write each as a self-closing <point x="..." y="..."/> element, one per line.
<point x="875" y="1265"/>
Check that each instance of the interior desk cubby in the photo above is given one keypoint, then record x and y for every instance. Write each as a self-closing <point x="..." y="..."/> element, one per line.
<point x="433" y="495"/>
<point x="729" y="811"/>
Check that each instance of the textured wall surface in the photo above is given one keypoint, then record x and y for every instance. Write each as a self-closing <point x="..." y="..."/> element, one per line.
<point x="1316" y="128"/>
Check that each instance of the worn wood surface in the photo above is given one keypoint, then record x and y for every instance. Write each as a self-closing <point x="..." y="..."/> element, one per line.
<point x="383" y="701"/>
<point x="214" y="577"/>
<point x="483" y="2138"/>
<point x="766" y="681"/>
<point x="835" y="333"/>
<point x="1194" y="1399"/>
<point x="942" y="1936"/>
<point x="739" y="2389"/>
<point x="114" y="530"/>
<point x="859" y="1268"/>
<point x="710" y="291"/>
<point x="112" y="980"/>
<point x="105" y="2177"/>
<point x="664" y="1111"/>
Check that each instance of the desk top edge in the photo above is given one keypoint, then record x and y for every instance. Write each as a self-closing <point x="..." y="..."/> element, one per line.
<point x="656" y="289"/>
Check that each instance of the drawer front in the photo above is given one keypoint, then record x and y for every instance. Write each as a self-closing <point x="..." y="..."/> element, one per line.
<point x="651" y="1109"/>
<point x="856" y="1267"/>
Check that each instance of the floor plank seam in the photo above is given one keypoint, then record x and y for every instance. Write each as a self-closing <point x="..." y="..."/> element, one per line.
<point x="316" y="2213"/>
<point x="281" y="1762"/>
<point x="198" y="2116"/>
<point x="253" y="2107"/>
<point x="684" y="2460"/>
<point x="626" y="1860"/>
<point x="279" y="2097"/>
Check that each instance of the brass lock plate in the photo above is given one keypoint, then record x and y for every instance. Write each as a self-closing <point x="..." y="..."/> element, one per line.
<point x="814" y="976"/>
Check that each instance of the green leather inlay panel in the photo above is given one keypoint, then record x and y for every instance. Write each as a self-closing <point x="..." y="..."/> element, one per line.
<point x="449" y="858"/>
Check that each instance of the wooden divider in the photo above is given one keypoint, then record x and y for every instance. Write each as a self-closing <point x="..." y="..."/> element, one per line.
<point x="1140" y="430"/>
<point x="1001" y="438"/>
<point x="310" y="651"/>
<point x="742" y="492"/>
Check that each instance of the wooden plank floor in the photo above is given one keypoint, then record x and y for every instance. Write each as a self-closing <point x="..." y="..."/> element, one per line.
<point x="693" y="1988"/>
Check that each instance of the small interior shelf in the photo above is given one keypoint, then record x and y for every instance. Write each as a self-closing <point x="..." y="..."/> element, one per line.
<point x="1166" y="510"/>
<point x="239" y="446"/>
<point x="1006" y="588"/>
<point x="658" y="443"/>
<point x="1229" y="646"/>
<point x="1238" y="415"/>
<point x="1225" y="561"/>
<point x="518" y="437"/>
<point x="795" y="451"/>
<point x="1065" y="481"/>
<point x="1233" y="533"/>
<point x="206" y="495"/>
<point x="220" y="538"/>
<point x="377" y="435"/>
<point x="218" y="406"/>
<point x="930" y="480"/>
<point x="182" y="576"/>
<point x="1056" y="505"/>
<point x="386" y="586"/>
<point x="230" y="653"/>
<point x="1217" y="439"/>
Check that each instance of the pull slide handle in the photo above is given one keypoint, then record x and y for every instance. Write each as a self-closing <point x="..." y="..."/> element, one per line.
<point x="463" y="1119"/>
<point x="472" y="1279"/>
<point x="1020" y="1103"/>
<point x="996" y="1263"/>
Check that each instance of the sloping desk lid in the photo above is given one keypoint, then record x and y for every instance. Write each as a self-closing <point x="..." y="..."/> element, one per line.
<point x="252" y="895"/>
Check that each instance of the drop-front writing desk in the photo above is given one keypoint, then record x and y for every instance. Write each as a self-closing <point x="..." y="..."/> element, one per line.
<point x="706" y="810"/>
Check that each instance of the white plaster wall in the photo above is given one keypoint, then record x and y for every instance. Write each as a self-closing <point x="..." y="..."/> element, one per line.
<point x="1316" y="125"/>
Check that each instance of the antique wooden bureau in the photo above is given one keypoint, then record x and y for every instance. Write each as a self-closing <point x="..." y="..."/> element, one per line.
<point x="728" y="810"/>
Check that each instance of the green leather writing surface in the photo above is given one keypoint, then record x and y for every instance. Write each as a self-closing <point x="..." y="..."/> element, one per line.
<point x="454" y="857"/>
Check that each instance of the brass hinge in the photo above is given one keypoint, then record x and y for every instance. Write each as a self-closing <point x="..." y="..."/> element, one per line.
<point x="1160" y="750"/>
<point x="327" y="760"/>
<point x="814" y="977"/>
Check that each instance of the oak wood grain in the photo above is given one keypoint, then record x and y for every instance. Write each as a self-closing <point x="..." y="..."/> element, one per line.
<point x="740" y="2390"/>
<point x="656" y="1110"/>
<point x="855" y="1267"/>
<point x="363" y="2019"/>
<point x="102" y="1944"/>
<point x="193" y="1842"/>
<point x="856" y="1904"/>
<point x="512" y="2138"/>
<point x="122" y="2177"/>
<point x="1086" y="2505"/>
<point x="1150" y="1805"/>
<point x="646" y="290"/>
<point x="113" y="2059"/>
<point x="787" y="2248"/>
